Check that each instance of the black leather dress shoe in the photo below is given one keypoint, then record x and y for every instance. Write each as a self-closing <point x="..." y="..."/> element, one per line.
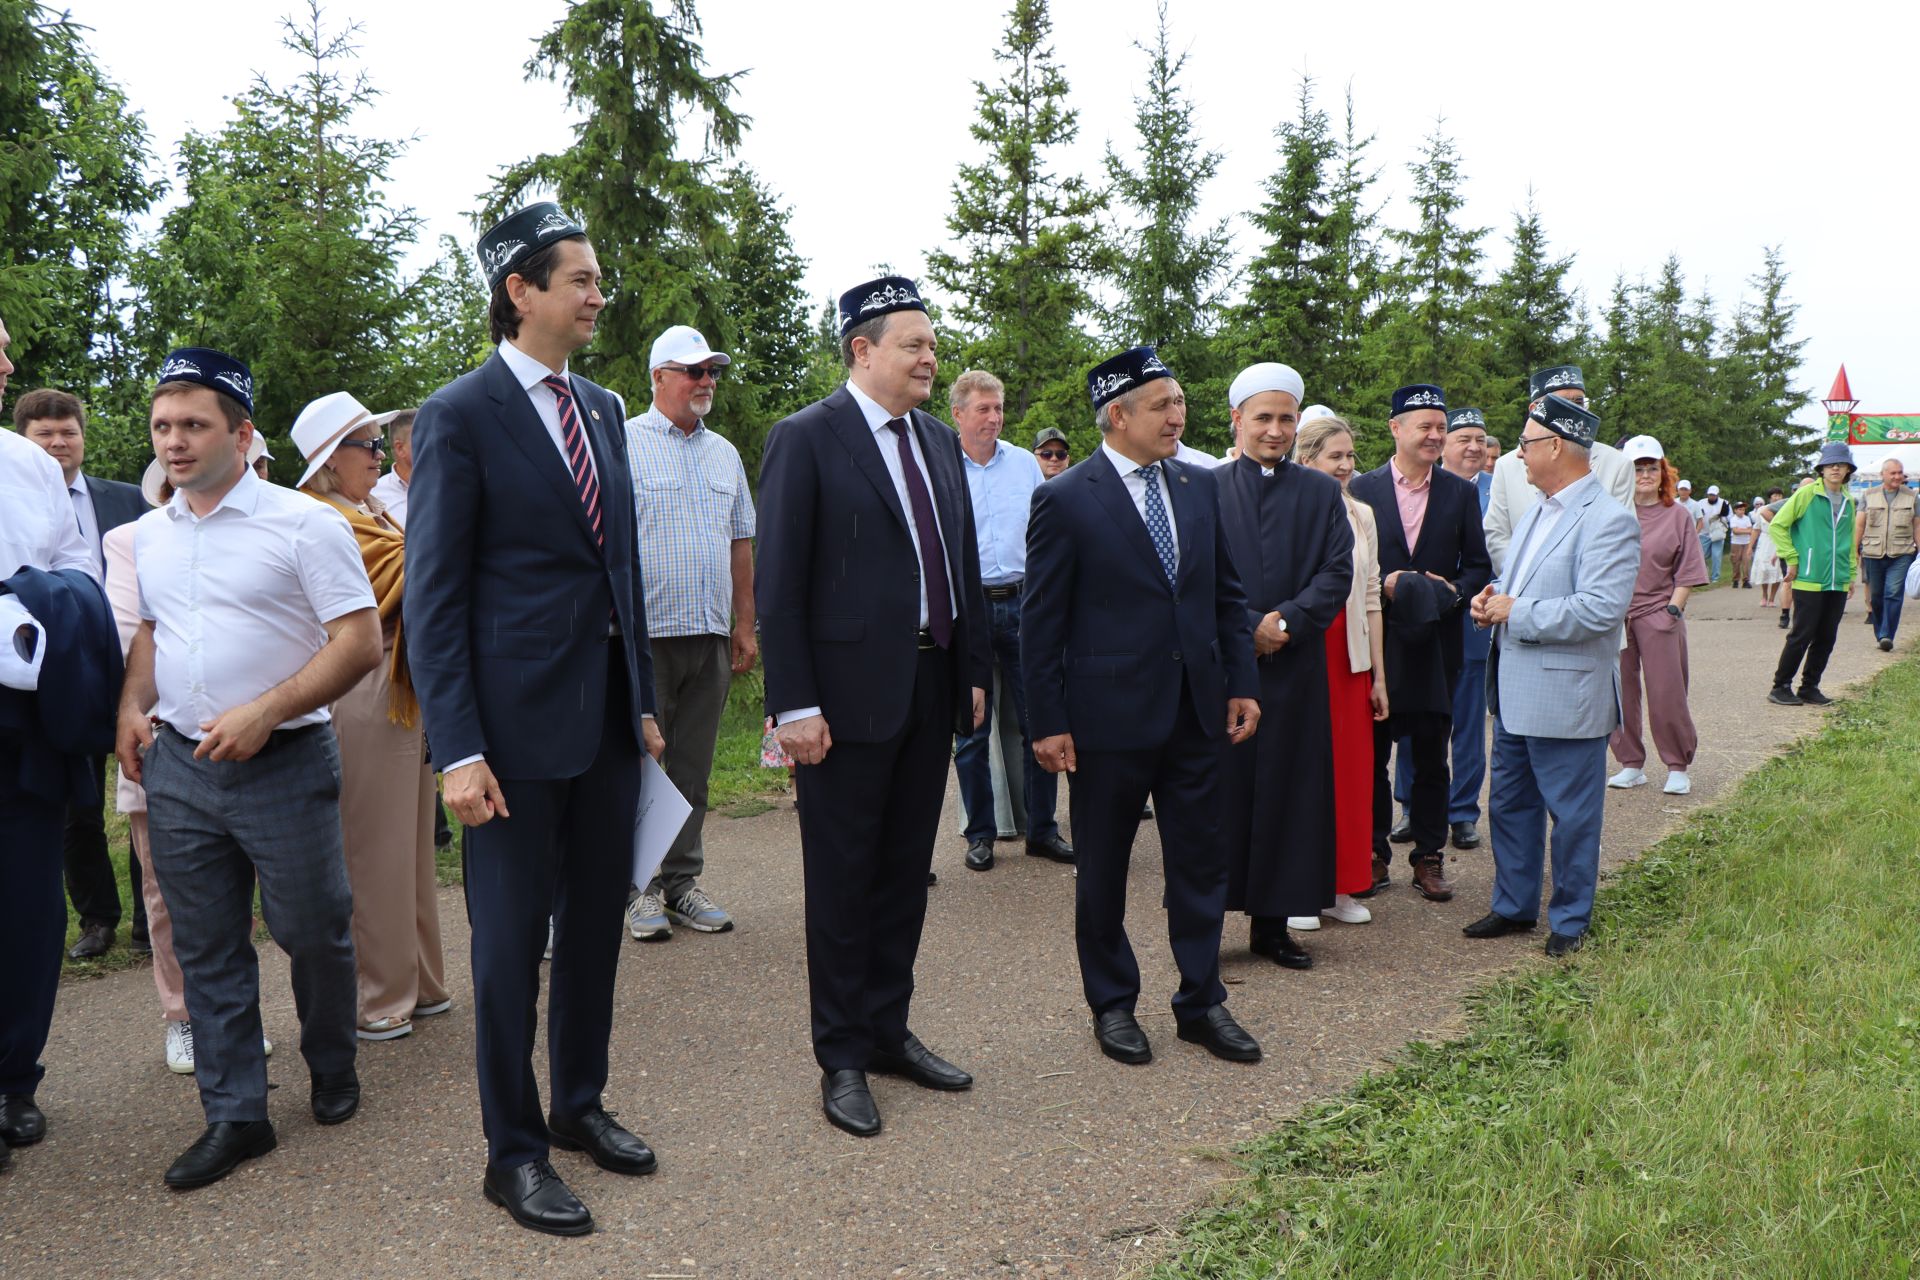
<point x="1495" y="925"/>
<point x="980" y="855"/>
<point x="1054" y="847"/>
<point x="922" y="1066"/>
<point x="1402" y="832"/>
<point x="335" y="1098"/>
<point x="534" y="1196"/>
<point x="93" y="942"/>
<point x="1564" y="944"/>
<point x="1121" y="1038"/>
<point x="1465" y="836"/>
<point x="611" y="1147"/>
<point x="220" y="1150"/>
<point x="21" y="1122"/>
<point x="849" y="1103"/>
<point x="1279" y="946"/>
<point x="1220" y="1035"/>
<point x="933" y="878"/>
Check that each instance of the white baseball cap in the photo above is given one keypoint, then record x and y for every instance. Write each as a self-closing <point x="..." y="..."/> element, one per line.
<point x="1713" y="491"/>
<point x="1643" y="447"/>
<point x="684" y="344"/>
<point x="23" y="645"/>
<point x="1686" y="484"/>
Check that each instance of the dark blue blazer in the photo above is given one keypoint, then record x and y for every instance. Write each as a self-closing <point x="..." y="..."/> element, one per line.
<point x="62" y="729"/>
<point x="1105" y="641"/>
<point x="1423" y="639"/>
<point x="837" y="581"/>
<point x="507" y="596"/>
<point x="115" y="503"/>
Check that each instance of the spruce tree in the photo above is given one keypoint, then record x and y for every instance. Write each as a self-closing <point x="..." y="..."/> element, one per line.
<point x="1026" y="245"/>
<point x="1355" y="277"/>
<point x="1170" y="276"/>
<point x="767" y="308"/>
<point x="1760" y="391"/>
<point x="1531" y="317"/>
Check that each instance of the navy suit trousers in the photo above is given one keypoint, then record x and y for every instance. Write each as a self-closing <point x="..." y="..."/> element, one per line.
<point x="33" y="926"/>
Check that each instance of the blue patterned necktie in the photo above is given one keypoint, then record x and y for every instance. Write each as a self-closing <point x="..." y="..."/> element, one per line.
<point x="1157" y="527"/>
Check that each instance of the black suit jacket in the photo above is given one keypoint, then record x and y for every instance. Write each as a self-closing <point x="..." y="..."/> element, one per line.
<point x="1105" y="641"/>
<point x="837" y="582"/>
<point x="56" y="735"/>
<point x="1423" y="636"/>
<point x="508" y="598"/>
<point x="115" y="503"/>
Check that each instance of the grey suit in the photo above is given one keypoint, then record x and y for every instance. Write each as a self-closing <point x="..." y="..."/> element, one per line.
<point x="1553" y="684"/>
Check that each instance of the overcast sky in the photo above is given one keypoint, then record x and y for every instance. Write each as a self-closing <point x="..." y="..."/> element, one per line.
<point x="1708" y="131"/>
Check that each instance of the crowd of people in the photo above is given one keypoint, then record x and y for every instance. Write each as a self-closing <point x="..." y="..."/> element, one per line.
<point x="1261" y="652"/>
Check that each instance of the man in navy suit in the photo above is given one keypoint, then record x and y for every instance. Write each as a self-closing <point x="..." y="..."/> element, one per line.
<point x="1138" y="654"/>
<point x="57" y="422"/>
<point x="527" y="636"/>
<point x="876" y="647"/>
<point x="1433" y="558"/>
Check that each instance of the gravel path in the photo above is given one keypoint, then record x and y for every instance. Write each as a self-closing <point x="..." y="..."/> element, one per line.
<point x="1056" y="1163"/>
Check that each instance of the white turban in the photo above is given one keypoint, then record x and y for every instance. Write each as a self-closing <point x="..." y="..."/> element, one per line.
<point x="1266" y="376"/>
<point x="1313" y="411"/>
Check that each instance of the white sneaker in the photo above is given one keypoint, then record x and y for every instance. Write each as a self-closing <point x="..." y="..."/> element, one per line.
<point x="1306" y="923"/>
<point x="549" y="953"/>
<point x="180" y="1048"/>
<point x="647" y="919"/>
<point x="1346" y="910"/>
<point x="1628" y="778"/>
<point x="266" y="1047"/>
<point x="1678" y="783"/>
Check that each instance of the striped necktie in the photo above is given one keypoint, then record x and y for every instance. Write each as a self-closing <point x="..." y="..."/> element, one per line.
<point x="574" y="440"/>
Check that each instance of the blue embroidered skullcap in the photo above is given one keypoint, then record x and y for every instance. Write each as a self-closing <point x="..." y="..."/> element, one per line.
<point x="1567" y="420"/>
<point x="1554" y="378"/>
<point x="1131" y="369"/>
<point x="1421" y="395"/>
<point x="1459" y="418"/>
<point x="515" y="236"/>
<point x="877" y="298"/>
<point x="209" y="368"/>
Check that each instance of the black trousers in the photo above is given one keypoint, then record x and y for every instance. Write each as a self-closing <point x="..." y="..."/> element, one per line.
<point x="869" y="814"/>
<point x="1109" y="790"/>
<point x="567" y="850"/>
<point x="1816" y="623"/>
<point x="33" y="924"/>
<point x="89" y="872"/>
<point x="1427" y="734"/>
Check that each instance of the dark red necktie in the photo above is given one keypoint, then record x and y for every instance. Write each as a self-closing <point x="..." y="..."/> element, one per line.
<point x="574" y="439"/>
<point x="933" y="557"/>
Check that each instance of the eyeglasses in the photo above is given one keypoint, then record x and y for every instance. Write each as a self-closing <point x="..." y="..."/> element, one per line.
<point x="375" y="445"/>
<point x="1051" y="455"/>
<point x="1520" y="445"/>
<point x="695" y="373"/>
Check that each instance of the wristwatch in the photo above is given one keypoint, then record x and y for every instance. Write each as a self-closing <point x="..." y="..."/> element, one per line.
<point x="1283" y="621"/>
<point x="1674" y="609"/>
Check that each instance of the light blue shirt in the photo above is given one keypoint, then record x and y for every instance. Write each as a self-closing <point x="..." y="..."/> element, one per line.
<point x="692" y="502"/>
<point x="1002" y="493"/>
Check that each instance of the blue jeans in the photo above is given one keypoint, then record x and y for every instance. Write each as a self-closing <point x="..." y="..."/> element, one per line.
<point x="970" y="756"/>
<point x="1711" y="552"/>
<point x="1886" y="583"/>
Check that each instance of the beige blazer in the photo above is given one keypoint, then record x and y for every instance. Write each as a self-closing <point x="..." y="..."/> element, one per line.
<point x="1364" y="595"/>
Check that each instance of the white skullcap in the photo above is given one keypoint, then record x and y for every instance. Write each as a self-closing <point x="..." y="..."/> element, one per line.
<point x="1313" y="411"/>
<point x="1266" y="376"/>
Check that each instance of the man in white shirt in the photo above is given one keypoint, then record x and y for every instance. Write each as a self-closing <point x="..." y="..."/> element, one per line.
<point x="391" y="488"/>
<point x="256" y="614"/>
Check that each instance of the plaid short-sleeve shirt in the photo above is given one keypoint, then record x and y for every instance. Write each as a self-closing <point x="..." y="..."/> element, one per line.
<point x="690" y="493"/>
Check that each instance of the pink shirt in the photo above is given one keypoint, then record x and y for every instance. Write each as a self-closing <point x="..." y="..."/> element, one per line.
<point x="1412" y="500"/>
<point x="1669" y="557"/>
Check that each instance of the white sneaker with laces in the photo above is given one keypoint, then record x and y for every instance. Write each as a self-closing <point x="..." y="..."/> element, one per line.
<point x="1306" y="923"/>
<point x="1346" y="910"/>
<point x="1678" y="783"/>
<point x="180" y="1048"/>
<point x="1628" y="778"/>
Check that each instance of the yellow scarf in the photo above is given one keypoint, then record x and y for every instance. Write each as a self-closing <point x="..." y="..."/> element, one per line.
<point x="384" y="549"/>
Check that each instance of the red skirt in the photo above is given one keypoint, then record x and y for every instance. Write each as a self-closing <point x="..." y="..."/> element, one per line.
<point x="1349" y="693"/>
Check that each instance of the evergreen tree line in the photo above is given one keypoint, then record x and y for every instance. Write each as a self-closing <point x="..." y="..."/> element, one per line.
<point x="285" y="248"/>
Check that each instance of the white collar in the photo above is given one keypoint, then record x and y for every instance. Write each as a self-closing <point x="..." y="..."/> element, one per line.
<point x="79" y="484"/>
<point x="1127" y="466"/>
<point x="1000" y="449"/>
<point x="530" y="372"/>
<point x="873" y="411"/>
<point x="244" y="497"/>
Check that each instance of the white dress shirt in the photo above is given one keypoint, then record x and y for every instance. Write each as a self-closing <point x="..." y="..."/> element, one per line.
<point x="531" y="375"/>
<point x="38" y="527"/>
<point x="391" y="491"/>
<point x="1535" y="531"/>
<point x="89" y="525"/>
<point x="1137" y="490"/>
<point x="239" y="597"/>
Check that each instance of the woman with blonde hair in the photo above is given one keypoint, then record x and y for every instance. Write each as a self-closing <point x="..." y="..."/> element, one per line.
<point x="1671" y="566"/>
<point x="386" y="785"/>
<point x="1356" y="674"/>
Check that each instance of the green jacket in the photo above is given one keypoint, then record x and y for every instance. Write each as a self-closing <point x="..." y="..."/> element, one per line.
<point x="1810" y="535"/>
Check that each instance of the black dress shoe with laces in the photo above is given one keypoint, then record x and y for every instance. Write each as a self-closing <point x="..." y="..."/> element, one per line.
<point x="980" y="855"/>
<point x="1121" y="1038"/>
<point x="1217" y="1032"/>
<point x="1279" y="946"/>
<point x="537" y="1199"/>
<point x="21" y="1122"/>
<point x="849" y="1103"/>
<point x="922" y="1066"/>
<point x="1053" y="847"/>
<point x="612" y="1148"/>
<point x="219" y="1151"/>
<point x="94" y="941"/>
<point x="335" y="1098"/>
<point x="1495" y="925"/>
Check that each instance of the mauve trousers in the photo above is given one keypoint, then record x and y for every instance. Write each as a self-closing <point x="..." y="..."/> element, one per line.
<point x="1656" y="653"/>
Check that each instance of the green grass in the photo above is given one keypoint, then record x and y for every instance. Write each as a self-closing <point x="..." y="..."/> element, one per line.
<point x="1726" y="1083"/>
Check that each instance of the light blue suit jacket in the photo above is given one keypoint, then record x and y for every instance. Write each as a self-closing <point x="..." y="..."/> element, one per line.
<point x="1554" y="671"/>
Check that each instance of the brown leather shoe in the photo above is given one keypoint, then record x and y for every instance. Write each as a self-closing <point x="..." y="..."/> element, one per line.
<point x="1381" y="879"/>
<point x="1430" y="878"/>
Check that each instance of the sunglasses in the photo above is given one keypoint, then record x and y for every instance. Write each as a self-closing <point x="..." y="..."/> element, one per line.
<point x="695" y="373"/>
<point x="1051" y="454"/>
<point x="376" y="445"/>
